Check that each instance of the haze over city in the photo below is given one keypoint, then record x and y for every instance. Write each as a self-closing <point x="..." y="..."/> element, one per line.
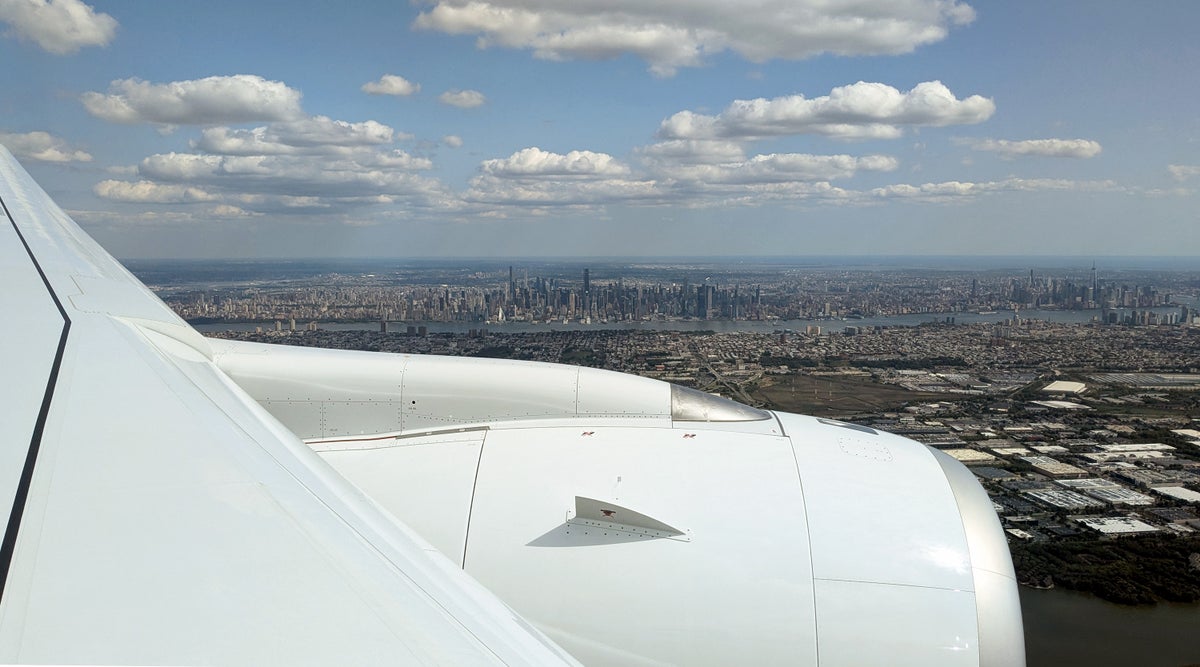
<point x="525" y="128"/>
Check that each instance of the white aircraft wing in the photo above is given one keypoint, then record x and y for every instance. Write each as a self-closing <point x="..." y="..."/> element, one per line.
<point x="158" y="515"/>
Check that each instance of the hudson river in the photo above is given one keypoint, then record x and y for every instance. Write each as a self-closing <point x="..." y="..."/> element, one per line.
<point x="1064" y="628"/>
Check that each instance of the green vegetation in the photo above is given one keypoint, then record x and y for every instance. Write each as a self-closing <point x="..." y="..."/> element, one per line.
<point x="581" y="356"/>
<point x="913" y="363"/>
<point x="495" y="352"/>
<point x="1129" y="570"/>
<point x="834" y="395"/>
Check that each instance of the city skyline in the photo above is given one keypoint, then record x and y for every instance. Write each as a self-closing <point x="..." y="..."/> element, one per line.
<point x="516" y="128"/>
<point x="648" y="292"/>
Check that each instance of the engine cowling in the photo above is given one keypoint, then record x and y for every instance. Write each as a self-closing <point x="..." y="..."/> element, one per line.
<point x="636" y="522"/>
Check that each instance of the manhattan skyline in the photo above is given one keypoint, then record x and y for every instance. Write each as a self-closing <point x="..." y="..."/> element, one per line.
<point x="523" y="128"/>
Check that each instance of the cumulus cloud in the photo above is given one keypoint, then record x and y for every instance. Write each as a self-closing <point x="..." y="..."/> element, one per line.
<point x="230" y="211"/>
<point x="672" y="35"/>
<point x="351" y="178"/>
<point x="452" y="140"/>
<point x="300" y="164"/>
<point x="59" y="26"/>
<point x="242" y="98"/>
<point x="315" y="134"/>
<point x="492" y="190"/>
<point x="394" y="159"/>
<point x="1074" y="148"/>
<point x="1182" y="172"/>
<point x="758" y="194"/>
<point x="858" y="111"/>
<point x="146" y="192"/>
<point x="674" y="173"/>
<point x="324" y="131"/>
<point x="958" y="189"/>
<point x="43" y="147"/>
<point x="694" y="151"/>
<point x="533" y="177"/>
<point x="463" y="99"/>
<point x="391" y="84"/>
<point x="536" y="163"/>
<point x="780" y="168"/>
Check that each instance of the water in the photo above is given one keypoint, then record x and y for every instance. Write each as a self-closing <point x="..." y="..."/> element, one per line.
<point x="719" y="326"/>
<point x="1064" y="628"/>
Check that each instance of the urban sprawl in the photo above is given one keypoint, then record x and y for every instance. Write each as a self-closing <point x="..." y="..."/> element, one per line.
<point x="1086" y="432"/>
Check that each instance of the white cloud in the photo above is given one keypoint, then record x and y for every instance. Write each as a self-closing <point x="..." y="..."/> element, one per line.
<point x="242" y="98"/>
<point x="537" y="163"/>
<point x="452" y="140"/>
<point x="669" y="35"/>
<point x="344" y="180"/>
<point x="463" y="99"/>
<point x="226" y="141"/>
<point x="694" y="151"/>
<point x="675" y="174"/>
<point x="43" y="147"/>
<point x="779" y="168"/>
<point x="492" y="190"/>
<point x="1182" y="172"/>
<point x="391" y="84"/>
<point x="533" y="177"/>
<point x="230" y="211"/>
<point x="957" y="189"/>
<point x="298" y="165"/>
<point x="1074" y="148"/>
<point x="394" y="159"/>
<point x="859" y="111"/>
<point x="58" y="26"/>
<point x="145" y="192"/>
<point x="1168" y="192"/>
<point x="757" y="194"/>
<point x="318" y="134"/>
<point x="324" y="131"/>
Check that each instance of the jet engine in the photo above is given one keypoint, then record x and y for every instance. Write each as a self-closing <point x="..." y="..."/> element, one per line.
<point x="637" y="522"/>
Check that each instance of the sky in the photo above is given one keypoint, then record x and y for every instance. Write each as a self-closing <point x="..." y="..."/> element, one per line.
<point x="526" y="128"/>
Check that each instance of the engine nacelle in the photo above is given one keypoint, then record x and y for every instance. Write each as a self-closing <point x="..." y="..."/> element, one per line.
<point x="636" y="522"/>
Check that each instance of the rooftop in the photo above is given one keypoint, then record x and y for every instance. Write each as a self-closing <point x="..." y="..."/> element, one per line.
<point x="1122" y="525"/>
<point x="1064" y="387"/>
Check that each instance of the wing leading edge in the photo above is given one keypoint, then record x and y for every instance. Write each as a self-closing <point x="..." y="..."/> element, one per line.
<point x="157" y="514"/>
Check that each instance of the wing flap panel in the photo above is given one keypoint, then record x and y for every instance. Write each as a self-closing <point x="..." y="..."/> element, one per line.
<point x="27" y="356"/>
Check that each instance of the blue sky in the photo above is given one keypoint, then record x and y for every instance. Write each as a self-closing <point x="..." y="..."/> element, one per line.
<point x="518" y="128"/>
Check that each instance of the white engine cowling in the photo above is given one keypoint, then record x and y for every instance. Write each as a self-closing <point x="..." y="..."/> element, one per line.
<point x="637" y="522"/>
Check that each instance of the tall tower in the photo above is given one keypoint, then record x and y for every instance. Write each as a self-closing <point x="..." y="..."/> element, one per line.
<point x="587" y="292"/>
<point x="1093" y="295"/>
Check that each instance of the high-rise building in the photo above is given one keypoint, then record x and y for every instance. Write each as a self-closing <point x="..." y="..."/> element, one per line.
<point x="587" y="293"/>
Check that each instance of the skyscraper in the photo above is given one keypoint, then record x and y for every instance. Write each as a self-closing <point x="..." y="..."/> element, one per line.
<point x="587" y="293"/>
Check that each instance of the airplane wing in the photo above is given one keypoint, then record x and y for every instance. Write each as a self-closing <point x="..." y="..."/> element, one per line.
<point x="159" y="515"/>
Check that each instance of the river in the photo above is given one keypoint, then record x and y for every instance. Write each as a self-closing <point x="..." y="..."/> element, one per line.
<point x="1064" y="628"/>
